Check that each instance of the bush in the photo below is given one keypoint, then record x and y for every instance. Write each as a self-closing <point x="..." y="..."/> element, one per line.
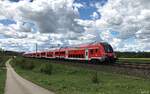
<point x="95" y="78"/>
<point x="3" y="59"/>
<point x="27" y="65"/>
<point x="23" y="63"/>
<point x="46" y="68"/>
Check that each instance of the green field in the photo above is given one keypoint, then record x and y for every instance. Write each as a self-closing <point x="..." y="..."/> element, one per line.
<point x="74" y="80"/>
<point x="2" y="80"/>
<point x="135" y="60"/>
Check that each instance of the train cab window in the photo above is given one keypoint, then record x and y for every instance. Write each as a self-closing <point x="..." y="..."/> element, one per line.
<point x="108" y="48"/>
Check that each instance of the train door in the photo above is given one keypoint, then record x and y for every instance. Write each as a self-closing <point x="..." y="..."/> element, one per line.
<point x="86" y="54"/>
<point x="66" y="54"/>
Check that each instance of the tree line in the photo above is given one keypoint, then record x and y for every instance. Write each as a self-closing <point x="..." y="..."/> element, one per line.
<point x="133" y="54"/>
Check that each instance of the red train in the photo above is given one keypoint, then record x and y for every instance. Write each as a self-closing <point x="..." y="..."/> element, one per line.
<point x="95" y="52"/>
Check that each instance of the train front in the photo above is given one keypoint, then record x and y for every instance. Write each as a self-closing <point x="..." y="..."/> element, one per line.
<point x="109" y="54"/>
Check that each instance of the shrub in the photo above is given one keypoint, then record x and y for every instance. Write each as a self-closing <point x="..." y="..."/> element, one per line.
<point x="23" y="63"/>
<point x="95" y="78"/>
<point x="46" y="68"/>
<point x="3" y="59"/>
<point x="28" y="65"/>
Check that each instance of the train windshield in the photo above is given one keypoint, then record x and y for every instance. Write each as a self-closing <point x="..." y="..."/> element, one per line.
<point x="108" y="48"/>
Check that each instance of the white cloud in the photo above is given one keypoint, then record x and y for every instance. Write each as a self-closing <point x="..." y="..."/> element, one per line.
<point x="78" y="5"/>
<point x="95" y="16"/>
<point x="130" y="18"/>
<point x="58" y="22"/>
<point x="53" y="17"/>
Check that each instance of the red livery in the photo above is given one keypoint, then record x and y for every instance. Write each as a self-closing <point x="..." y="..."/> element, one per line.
<point x="94" y="52"/>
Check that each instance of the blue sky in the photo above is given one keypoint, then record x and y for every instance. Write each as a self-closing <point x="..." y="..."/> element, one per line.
<point x="7" y="21"/>
<point x="85" y="12"/>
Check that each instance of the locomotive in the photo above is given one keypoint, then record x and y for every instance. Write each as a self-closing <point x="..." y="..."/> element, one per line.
<point x="96" y="52"/>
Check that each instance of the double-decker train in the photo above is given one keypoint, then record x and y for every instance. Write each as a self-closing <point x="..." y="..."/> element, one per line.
<point x="94" y="52"/>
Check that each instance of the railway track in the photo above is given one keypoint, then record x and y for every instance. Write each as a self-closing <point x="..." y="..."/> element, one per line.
<point x="140" y="66"/>
<point x="144" y="66"/>
<point x="133" y="69"/>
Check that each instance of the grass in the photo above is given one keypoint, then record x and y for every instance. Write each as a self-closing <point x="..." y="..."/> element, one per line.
<point x="135" y="60"/>
<point x="3" y="59"/>
<point x="74" y="80"/>
<point x="2" y="80"/>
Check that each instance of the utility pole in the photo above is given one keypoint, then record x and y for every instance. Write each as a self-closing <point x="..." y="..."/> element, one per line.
<point x="36" y="47"/>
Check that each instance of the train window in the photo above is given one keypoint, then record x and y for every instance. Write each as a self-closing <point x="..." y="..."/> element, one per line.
<point x="83" y="56"/>
<point x="80" y="55"/>
<point x="96" y="50"/>
<point x="91" y="51"/>
<point x="76" y="56"/>
<point x="107" y="48"/>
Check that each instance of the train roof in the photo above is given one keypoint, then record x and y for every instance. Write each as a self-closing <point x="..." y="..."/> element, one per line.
<point x="73" y="47"/>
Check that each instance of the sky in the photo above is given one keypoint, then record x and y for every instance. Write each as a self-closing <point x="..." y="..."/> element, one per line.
<point x="125" y="24"/>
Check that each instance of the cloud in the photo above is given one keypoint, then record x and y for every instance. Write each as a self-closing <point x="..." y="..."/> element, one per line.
<point x="125" y="16"/>
<point x="95" y="16"/>
<point x="130" y="18"/>
<point x="52" y="19"/>
<point x="78" y="5"/>
<point x="51" y="16"/>
<point x="58" y="22"/>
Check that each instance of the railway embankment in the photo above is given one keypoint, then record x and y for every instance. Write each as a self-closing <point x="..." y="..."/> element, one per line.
<point x="77" y="78"/>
